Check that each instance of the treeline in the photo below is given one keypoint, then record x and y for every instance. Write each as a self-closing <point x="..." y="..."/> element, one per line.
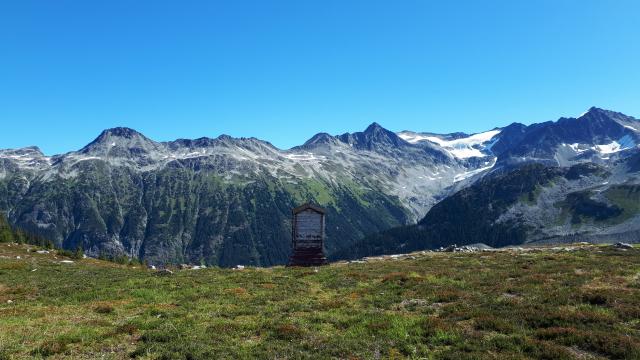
<point x="9" y="234"/>
<point x="16" y="235"/>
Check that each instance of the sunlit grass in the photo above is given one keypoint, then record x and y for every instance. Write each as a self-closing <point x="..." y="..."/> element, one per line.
<point x="546" y="304"/>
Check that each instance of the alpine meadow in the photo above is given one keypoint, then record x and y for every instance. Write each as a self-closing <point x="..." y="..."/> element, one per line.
<point x="341" y="180"/>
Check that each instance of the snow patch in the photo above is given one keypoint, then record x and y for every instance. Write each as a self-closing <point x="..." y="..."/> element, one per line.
<point x="577" y="148"/>
<point x="471" y="146"/>
<point x="624" y="143"/>
<point x="305" y="157"/>
<point x="22" y="157"/>
<point x="468" y="174"/>
<point x="412" y="138"/>
<point x="84" y="158"/>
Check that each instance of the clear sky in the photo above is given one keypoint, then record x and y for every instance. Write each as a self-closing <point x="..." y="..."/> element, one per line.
<point x="285" y="70"/>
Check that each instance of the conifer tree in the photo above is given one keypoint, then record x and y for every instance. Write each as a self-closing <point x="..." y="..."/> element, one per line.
<point x="6" y="233"/>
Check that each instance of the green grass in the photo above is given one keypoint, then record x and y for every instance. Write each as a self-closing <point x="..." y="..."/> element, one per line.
<point x="502" y="305"/>
<point x="531" y="198"/>
<point x="320" y="192"/>
<point x="584" y="209"/>
<point x="627" y="197"/>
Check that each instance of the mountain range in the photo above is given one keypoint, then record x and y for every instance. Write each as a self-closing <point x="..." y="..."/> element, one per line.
<point x="227" y="201"/>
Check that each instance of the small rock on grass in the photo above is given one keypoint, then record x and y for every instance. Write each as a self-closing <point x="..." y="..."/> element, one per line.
<point x="621" y="245"/>
<point x="164" y="272"/>
<point x="413" y="302"/>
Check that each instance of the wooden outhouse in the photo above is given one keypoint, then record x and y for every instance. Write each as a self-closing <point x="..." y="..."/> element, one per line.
<point x="307" y="233"/>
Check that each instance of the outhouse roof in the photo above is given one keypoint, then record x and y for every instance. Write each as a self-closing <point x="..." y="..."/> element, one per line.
<point x="311" y="206"/>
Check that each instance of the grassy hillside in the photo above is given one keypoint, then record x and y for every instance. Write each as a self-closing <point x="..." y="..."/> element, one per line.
<point x="510" y="304"/>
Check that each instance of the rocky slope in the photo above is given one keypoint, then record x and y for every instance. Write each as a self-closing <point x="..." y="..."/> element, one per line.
<point x="223" y="201"/>
<point x="227" y="201"/>
<point x="534" y="203"/>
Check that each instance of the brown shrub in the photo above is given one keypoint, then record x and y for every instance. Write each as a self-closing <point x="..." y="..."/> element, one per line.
<point x="288" y="332"/>
<point x="446" y="295"/>
<point x="595" y="298"/>
<point x="103" y="309"/>
<point x="357" y="276"/>
<point x="126" y="329"/>
<point x="396" y="277"/>
<point x="331" y="304"/>
<point x="239" y="291"/>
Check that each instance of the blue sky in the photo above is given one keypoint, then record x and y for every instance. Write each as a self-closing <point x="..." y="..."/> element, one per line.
<point x="285" y="70"/>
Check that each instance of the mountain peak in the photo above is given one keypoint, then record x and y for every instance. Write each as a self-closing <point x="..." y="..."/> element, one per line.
<point x="119" y="137"/>
<point x="594" y="110"/>
<point x="595" y="114"/>
<point x="320" y="138"/>
<point x="124" y="132"/>
<point x="374" y="136"/>
<point x="224" y="137"/>
<point x="374" y="127"/>
<point x="599" y="112"/>
<point x="376" y="132"/>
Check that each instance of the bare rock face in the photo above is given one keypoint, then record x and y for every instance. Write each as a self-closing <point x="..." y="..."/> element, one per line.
<point x="226" y="201"/>
<point x="533" y="203"/>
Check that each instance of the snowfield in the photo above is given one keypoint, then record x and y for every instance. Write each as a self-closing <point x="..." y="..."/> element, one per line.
<point x="624" y="143"/>
<point x="477" y="145"/>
